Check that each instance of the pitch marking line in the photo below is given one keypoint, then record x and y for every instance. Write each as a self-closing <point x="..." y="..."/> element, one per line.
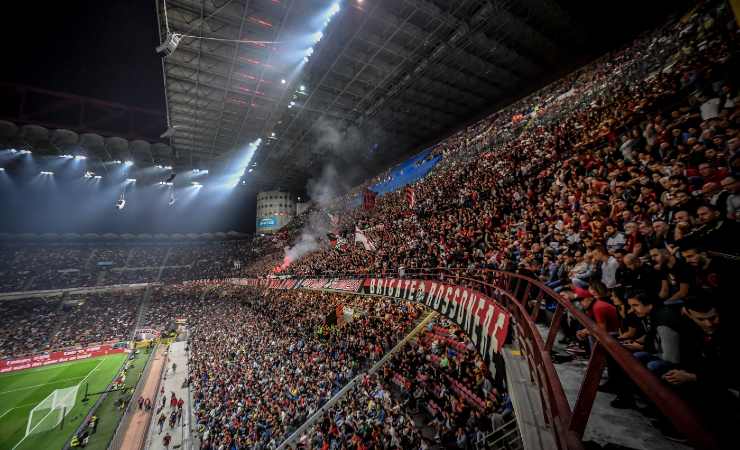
<point x="15" y="407"/>
<point x="38" y="385"/>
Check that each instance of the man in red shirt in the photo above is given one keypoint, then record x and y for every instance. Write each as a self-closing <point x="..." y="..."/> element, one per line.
<point x="604" y="314"/>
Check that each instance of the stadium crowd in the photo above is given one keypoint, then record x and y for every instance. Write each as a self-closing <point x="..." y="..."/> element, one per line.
<point x="264" y="364"/>
<point x="617" y="186"/>
<point x="36" y="325"/>
<point x="30" y="267"/>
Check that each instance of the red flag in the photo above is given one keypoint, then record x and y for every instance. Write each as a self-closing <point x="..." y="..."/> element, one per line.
<point x="368" y="199"/>
<point x="410" y="197"/>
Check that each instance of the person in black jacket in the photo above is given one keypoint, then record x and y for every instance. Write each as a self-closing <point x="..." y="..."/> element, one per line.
<point x="707" y="377"/>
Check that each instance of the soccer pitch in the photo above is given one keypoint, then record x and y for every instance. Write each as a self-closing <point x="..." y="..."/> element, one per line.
<point x="21" y="391"/>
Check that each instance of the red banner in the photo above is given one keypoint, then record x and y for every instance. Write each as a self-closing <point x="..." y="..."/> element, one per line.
<point x="11" y="365"/>
<point x="482" y="318"/>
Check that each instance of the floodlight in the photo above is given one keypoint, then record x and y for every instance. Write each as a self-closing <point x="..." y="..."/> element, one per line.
<point x="128" y="163"/>
<point x="80" y="157"/>
<point x="272" y="134"/>
<point x="169" y="45"/>
<point x="283" y="81"/>
<point x="97" y="177"/>
<point x="131" y="180"/>
<point x="24" y="152"/>
<point x="196" y="184"/>
<point x="46" y="172"/>
<point x="66" y="156"/>
<point x="303" y="88"/>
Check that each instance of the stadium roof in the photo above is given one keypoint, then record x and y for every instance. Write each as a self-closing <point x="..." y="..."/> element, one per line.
<point x="389" y="75"/>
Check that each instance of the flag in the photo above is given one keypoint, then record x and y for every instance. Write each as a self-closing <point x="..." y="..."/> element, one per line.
<point x="333" y="219"/>
<point x="368" y="199"/>
<point x="361" y="237"/>
<point x="410" y="197"/>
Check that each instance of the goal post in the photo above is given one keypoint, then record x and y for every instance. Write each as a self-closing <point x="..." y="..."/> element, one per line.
<point x="51" y="410"/>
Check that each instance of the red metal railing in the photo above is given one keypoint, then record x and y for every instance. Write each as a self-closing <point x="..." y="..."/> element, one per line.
<point x="523" y="296"/>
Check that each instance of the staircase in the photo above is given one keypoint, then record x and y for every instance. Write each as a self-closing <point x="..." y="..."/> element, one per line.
<point x="142" y="309"/>
<point x="163" y="265"/>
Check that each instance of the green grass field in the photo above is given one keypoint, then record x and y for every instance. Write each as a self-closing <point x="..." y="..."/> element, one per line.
<point x="21" y="391"/>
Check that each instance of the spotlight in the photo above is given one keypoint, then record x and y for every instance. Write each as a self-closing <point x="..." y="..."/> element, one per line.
<point x="80" y="157"/>
<point x="169" y="45"/>
<point x="272" y="134"/>
<point x="130" y="180"/>
<point x="24" y="152"/>
<point x="167" y="167"/>
<point x="303" y="88"/>
<point x="12" y="150"/>
<point x="196" y="184"/>
<point x="116" y="161"/>
<point x="97" y="177"/>
<point x="282" y="81"/>
<point x="128" y="163"/>
<point x="46" y="172"/>
<point x="66" y="156"/>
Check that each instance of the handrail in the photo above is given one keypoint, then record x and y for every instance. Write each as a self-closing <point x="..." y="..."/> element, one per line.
<point x="515" y="292"/>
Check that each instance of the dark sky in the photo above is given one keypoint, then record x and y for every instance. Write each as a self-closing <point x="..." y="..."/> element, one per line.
<point x="98" y="48"/>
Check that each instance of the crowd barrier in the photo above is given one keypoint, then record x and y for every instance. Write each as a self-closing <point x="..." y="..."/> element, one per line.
<point x="520" y="299"/>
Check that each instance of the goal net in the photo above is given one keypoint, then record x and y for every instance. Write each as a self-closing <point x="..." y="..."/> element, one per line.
<point x="51" y="410"/>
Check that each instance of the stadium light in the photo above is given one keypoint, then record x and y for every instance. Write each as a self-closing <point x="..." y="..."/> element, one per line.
<point x="169" y="45"/>
<point x="66" y="156"/>
<point x="24" y="152"/>
<point x="80" y="157"/>
<point x="128" y="163"/>
<point x="46" y="172"/>
<point x="130" y="180"/>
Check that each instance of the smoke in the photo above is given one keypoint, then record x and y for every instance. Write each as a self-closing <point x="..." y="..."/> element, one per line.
<point x="322" y="191"/>
<point x="342" y="153"/>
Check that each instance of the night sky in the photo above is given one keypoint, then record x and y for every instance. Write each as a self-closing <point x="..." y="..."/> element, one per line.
<point x="101" y="49"/>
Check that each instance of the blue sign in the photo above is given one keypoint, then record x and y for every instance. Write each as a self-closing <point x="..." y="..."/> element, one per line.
<point x="268" y="222"/>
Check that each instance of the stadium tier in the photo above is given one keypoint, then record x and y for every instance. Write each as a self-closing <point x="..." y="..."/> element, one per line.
<point x="555" y="275"/>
